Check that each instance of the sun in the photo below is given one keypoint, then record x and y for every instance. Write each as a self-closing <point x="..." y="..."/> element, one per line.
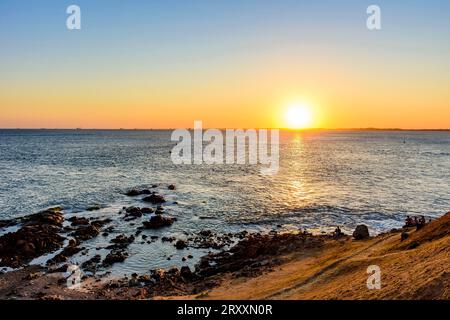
<point x="298" y="116"/>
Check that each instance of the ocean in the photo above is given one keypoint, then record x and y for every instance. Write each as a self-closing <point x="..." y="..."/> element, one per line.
<point x="326" y="178"/>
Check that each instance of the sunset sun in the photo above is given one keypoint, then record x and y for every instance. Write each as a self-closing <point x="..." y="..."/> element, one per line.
<point x="298" y="116"/>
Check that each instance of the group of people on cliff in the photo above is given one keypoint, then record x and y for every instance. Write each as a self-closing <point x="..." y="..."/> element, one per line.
<point x="415" y="222"/>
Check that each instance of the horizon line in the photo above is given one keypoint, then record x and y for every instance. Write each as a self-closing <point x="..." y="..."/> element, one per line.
<point x="236" y="128"/>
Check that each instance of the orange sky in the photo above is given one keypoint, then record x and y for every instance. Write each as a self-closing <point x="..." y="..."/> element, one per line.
<point x="242" y="71"/>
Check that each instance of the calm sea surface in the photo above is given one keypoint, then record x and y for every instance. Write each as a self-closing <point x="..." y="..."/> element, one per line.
<point x="325" y="179"/>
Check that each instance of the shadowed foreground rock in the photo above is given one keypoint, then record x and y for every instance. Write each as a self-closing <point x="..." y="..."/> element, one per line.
<point x="361" y="232"/>
<point x="37" y="236"/>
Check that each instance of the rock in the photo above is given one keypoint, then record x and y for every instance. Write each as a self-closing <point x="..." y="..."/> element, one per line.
<point x="136" y="192"/>
<point x="361" y="232"/>
<point x="413" y="245"/>
<point x="158" y="221"/>
<point x="173" y="273"/>
<point x="100" y="223"/>
<point x="186" y="273"/>
<point x="147" y="210"/>
<point x="121" y="241"/>
<point x="52" y="216"/>
<point x="154" y="199"/>
<point x="133" y="212"/>
<point x="75" y="221"/>
<point x="109" y="229"/>
<point x="253" y="249"/>
<point x="91" y="265"/>
<point x="93" y="207"/>
<point x="115" y="256"/>
<point x="7" y="223"/>
<point x="180" y="244"/>
<point x="404" y="236"/>
<point x="205" y="233"/>
<point x="68" y="251"/>
<point x="85" y="233"/>
<point x="171" y="187"/>
<point x="39" y="235"/>
<point x="157" y="274"/>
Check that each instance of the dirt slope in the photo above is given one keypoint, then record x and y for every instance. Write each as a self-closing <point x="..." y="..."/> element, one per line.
<point x="339" y="270"/>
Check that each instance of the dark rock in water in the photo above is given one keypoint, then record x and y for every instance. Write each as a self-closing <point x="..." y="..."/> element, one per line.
<point x="168" y="239"/>
<point x="91" y="265"/>
<point x="147" y="210"/>
<point x="75" y="221"/>
<point x="52" y="216"/>
<point x="85" y="233"/>
<point x="94" y="207"/>
<point x="361" y="232"/>
<point x="136" y="192"/>
<point x="180" y="244"/>
<point x="207" y="239"/>
<point x="133" y="212"/>
<point x="115" y="256"/>
<point x="68" y="251"/>
<point x="171" y="187"/>
<point x="100" y="223"/>
<point x="205" y="233"/>
<point x="8" y="223"/>
<point x="39" y="235"/>
<point x="158" y="221"/>
<point x="121" y="241"/>
<point x="109" y="229"/>
<point x="154" y="199"/>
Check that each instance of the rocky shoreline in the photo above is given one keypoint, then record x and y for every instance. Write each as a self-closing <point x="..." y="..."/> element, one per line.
<point x="232" y="255"/>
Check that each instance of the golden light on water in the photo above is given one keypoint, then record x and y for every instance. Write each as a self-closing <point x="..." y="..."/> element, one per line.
<point x="298" y="116"/>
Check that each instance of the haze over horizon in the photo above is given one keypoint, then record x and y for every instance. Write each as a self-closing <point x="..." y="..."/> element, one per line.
<point x="231" y="64"/>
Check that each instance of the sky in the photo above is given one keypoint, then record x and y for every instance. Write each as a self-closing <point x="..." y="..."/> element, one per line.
<point x="230" y="64"/>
